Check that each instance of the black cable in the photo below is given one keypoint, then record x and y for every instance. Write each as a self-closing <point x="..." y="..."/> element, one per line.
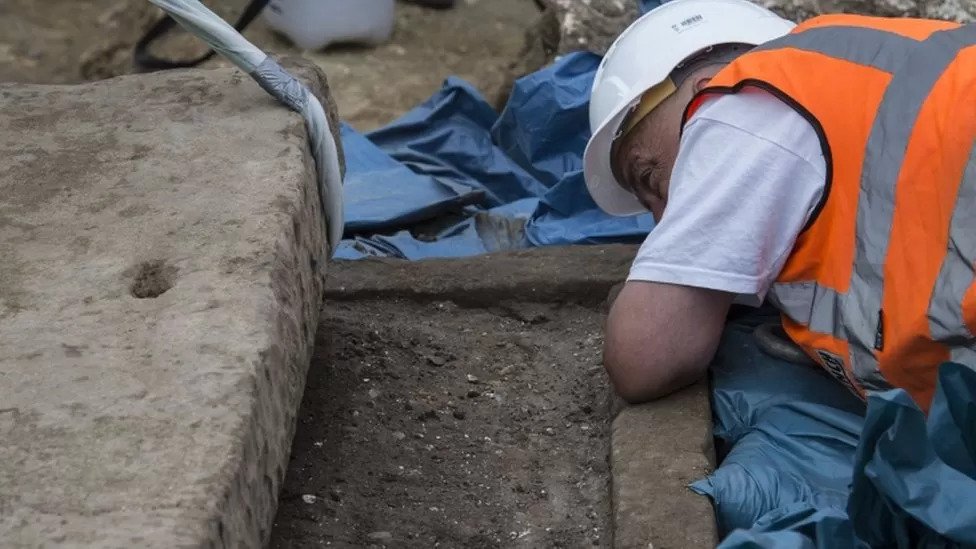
<point x="146" y="61"/>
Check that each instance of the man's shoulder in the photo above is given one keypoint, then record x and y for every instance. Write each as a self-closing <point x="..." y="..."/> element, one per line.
<point x="743" y="107"/>
<point x="757" y="113"/>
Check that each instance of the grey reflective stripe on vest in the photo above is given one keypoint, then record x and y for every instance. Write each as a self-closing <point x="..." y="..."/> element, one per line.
<point x="946" y="319"/>
<point x="811" y="305"/>
<point x="871" y="47"/>
<point x="858" y="312"/>
<point x="884" y="156"/>
<point x="963" y="355"/>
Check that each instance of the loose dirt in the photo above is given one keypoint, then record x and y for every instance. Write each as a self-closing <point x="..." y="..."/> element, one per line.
<point x="429" y="424"/>
<point x="66" y="41"/>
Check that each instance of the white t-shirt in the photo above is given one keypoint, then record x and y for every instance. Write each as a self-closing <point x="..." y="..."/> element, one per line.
<point x="749" y="172"/>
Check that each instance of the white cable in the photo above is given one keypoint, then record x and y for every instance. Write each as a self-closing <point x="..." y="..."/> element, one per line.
<point x="219" y="35"/>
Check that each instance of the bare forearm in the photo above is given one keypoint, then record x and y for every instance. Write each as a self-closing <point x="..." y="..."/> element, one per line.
<point x="661" y="337"/>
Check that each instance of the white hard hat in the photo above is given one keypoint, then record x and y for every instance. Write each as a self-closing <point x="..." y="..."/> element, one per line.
<point x="643" y="56"/>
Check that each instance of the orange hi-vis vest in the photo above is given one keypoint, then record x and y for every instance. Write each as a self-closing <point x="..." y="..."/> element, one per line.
<point x="879" y="288"/>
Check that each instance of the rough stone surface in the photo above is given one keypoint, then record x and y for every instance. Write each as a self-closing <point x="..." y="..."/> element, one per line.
<point x="571" y="25"/>
<point x="163" y="261"/>
<point x="590" y="26"/>
<point x="962" y="11"/>
<point x="123" y="24"/>
<point x="657" y="450"/>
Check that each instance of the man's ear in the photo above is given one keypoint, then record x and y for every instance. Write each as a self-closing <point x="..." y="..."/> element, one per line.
<point x="702" y="83"/>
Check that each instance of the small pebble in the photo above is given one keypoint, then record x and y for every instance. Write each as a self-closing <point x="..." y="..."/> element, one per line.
<point x="380" y="536"/>
<point x="373" y="394"/>
<point x="399" y="435"/>
<point x="473" y="379"/>
<point x="429" y="415"/>
<point x="436" y="361"/>
<point x="309" y="498"/>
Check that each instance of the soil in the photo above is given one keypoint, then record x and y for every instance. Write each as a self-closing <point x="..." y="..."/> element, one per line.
<point x="66" y="41"/>
<point x="42" y="42"/>
<point x="428" y="424"/>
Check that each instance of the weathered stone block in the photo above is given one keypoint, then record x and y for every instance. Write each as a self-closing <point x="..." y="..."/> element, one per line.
<point x="657" y="450"/>
<point x="163" y="255"/>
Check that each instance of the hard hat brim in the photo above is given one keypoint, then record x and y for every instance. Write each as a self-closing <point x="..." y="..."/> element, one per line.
<point x="606" y="191"/>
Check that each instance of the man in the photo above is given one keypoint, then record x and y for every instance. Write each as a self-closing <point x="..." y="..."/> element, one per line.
<point x="827" y="167"/>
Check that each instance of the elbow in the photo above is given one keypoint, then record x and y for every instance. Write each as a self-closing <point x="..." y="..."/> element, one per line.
<point x="641" y="373"/>
<point x="632" y="394"/>
<point x="634" y="380"/>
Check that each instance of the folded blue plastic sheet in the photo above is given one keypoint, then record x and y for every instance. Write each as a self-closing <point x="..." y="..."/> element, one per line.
<point x="454" y="151"/>
<point x="384" y="194"/>
<point x="648" y="5"/>
<point x="498" y="229"/>
<point x="792" y="431"/>
<point x="805" y="466"/>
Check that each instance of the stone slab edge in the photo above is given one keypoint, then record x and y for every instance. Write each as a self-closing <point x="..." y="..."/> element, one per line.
<point x="656" y="450"/>
<point x="581" y="274"/>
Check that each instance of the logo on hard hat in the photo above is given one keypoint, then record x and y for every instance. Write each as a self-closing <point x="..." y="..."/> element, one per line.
<point x="688" y="23"/>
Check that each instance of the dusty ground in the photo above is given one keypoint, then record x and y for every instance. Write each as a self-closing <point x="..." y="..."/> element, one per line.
<point x="63" y="41"/>
<point x="42" y="42"/>
<point x="426" y="423"/>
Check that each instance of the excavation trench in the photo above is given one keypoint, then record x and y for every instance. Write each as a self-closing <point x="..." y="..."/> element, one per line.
<point x="457" y="404"/>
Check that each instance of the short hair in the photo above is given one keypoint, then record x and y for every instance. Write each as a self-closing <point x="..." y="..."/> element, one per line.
<point x="720" y="54"/>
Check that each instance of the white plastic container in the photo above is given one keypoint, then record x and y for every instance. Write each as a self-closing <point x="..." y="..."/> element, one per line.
<point x="315" y="24"/>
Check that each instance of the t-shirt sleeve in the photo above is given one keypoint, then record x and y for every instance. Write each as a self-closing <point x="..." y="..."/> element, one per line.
<point x="741" y="191"/>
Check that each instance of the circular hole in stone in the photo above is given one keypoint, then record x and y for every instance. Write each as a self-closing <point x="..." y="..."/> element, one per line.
<point x="152" y="279"/>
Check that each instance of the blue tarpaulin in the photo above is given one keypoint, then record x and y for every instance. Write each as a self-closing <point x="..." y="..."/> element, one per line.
<point x="648" y="5"/>
<point x="804" y="463"/>
<point x="520" y="170"/>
